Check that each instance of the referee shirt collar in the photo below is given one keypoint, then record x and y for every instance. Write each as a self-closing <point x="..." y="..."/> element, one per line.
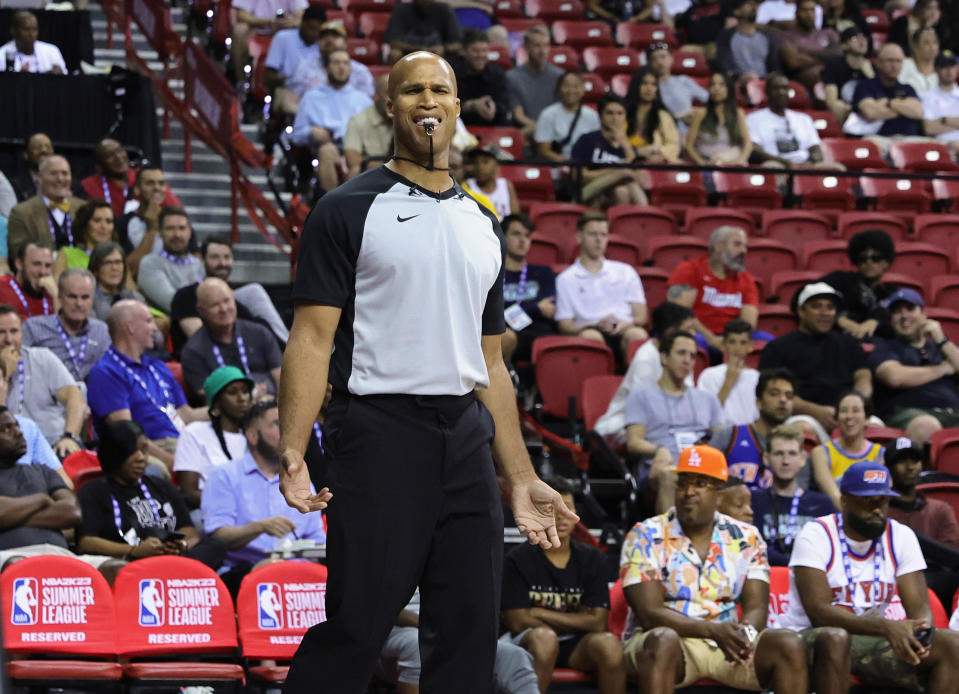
<point x="453" y="191"/>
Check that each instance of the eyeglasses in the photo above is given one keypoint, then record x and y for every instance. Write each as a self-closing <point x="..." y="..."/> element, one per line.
<point x="657" y="46"/>
<point x="700" y="482"/>
<point x="869" y="258"/>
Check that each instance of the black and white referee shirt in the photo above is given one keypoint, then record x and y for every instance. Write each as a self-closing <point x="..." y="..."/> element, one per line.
<point x="419" y="276"/>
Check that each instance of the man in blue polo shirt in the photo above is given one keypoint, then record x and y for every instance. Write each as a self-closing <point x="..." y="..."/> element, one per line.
<point x="128" y="384"/>
<point x="884" y="99"/>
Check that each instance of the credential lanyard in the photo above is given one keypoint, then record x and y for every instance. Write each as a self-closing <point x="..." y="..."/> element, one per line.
<point x="140" y="382"/>
<point x="847" y="567"/>
<point x="241" y="348"/>
<point x="77" y="359"/>
<point x="118" y="518"/>
<point x="15" y="286"/>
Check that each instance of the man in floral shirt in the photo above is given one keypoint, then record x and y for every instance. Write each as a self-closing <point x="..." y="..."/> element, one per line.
<point x="684" y="574"/>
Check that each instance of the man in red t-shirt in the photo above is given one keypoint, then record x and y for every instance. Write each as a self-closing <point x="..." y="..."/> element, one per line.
<point x="724" y="290"/>
<point x="31" y="290"/>
<point x="115" y="179"/>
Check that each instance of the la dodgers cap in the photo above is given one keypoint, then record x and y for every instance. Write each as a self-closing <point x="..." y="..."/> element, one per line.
<point x="703" y="460"/>
<point x="866" y="479"/>
<point x="910" y="296"/>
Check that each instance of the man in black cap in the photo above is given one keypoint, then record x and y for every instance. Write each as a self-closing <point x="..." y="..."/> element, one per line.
<point x="940" y="106"/>
<point x="841" y="74"/>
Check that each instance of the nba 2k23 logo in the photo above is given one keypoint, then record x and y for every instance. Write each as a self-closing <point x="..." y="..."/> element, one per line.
<point x="152" y="602"/>
<point x="24" y="602"/>
<point x="269" y="606"/>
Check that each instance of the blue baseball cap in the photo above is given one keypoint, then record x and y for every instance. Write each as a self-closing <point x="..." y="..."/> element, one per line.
<point x="866" y="479"/>
<point x="910" y="296"/>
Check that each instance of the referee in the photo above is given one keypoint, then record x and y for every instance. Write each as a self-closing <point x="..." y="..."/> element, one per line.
<point x="399" y="295"/>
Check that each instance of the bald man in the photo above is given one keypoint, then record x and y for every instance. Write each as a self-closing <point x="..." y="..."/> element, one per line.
<point x="883" y="107"/>
<point x="225" y="340"/>
<point x="47" y="217"/>
<point x="402" y="272"/>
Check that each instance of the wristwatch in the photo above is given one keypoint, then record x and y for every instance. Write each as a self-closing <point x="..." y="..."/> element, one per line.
<point x="73" y="437"/>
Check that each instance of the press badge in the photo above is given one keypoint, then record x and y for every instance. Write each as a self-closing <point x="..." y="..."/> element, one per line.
<point x="517" y="318"/>
<point x="685" y="439"/>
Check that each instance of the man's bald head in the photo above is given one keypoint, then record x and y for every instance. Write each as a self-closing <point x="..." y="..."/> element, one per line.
<point x="406" y="65"/>
<point x="212" y="287"/>
<point x="122" y="313"/>
<point x="216" y="305"/>
<point x="889" y="62"/>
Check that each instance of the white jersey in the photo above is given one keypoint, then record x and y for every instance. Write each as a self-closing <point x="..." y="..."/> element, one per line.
<point x="817" y="546"/>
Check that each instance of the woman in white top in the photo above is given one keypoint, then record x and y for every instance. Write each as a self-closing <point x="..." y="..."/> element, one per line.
<point x="919" y="71"/>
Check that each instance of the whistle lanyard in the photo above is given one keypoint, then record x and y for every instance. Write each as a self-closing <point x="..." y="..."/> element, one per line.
<point x="117" y="517"/>
<point x="77" y="359"/>
<point x="241" y="348"/>
<point x="847" y="567"/>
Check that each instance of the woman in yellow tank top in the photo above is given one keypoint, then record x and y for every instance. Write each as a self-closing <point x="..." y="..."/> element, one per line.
<point x="833" y="458"/>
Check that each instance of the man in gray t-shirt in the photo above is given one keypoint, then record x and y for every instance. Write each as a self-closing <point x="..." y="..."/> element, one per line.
<point x="173" y="267"/>
<point x="746" y="51"/>
<point x="532" y="85"/>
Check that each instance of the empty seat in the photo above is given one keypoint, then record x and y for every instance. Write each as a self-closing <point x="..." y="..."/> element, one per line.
<point x="550" y="10"/>
<point x="945" y="450"/>
<point x="948" y="318"/>
<point x="508" y="139"/>
<point x="639" y="36"/>
<point x="544" y="250"/>
<point x="899" y="279"/>
<point x="517" y="25"/>
<point x="357" y="7"/>
<point x="824" y="193"/>
<point x="595" y="87"/>
<point x="564" y="57"/>
<point x="690" y="63"/>
<point x="598" y="392"/>
<point x="531" y="182"/>
<point x="607" y="61"/>
<point x="508" y="8"/>
<point x="373" y="25"/>
<point x="921" y="260"/>
<point x="580" y="34"/>
<point x="753" y="193"/>
<point x="945" y="192"/>
<point x="556" y="219"/>
<point x="785" y="283"/>
<point x="851" y="223"/>
<point x="902" y="197"/>
<point x="826" y="256"/>
<point x="640" y="223"/>
<point x="669" y="251"/>
<point x="562" y="364"/>
<point x="943" y="491"/>
<point x="767" y="257"/>
<point x="943" y="291"/>
<point x="795" y="227"/>
<point x="619" y="84"/>
<point x="364" y="51"/>
<point x="853" y="154"/>
<point x="655" y="282"/>
<point x="938" y="229"/>
<point x="675" y="191"/>
<point x="921" y="156"/>
<point x="877" y="20"/>
<point x="776" y="319"/>
<point x="825" y="123"/>
<point x="500" y="56"/>
<point x="619" y="248"/>
<point x="703" y="221"/>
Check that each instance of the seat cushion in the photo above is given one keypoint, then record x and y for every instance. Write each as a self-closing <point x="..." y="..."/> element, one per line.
<point x="183" y="671"/>
<point x="274" y="674"/>
<point x="63" y="669"/>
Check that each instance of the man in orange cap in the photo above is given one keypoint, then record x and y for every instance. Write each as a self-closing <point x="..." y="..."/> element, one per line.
<point x="684" y="573"/>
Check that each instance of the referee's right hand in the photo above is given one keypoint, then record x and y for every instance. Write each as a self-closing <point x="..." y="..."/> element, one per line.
<point x="295" y="484"/>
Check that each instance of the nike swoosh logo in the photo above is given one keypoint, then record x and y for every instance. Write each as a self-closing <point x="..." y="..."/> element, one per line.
<point x="405" y="219"/>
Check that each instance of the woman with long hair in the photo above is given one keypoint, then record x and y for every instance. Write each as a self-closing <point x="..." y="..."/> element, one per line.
<point x="718" y="132"/>
<point x="652" y="130"/>
<point x="94" y="224"/>
<point x="919" y="71"/>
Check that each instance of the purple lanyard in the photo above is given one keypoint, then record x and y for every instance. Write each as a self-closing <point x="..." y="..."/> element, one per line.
<point x="318" y="433"/>
<point x="67" y="228"/>
<point x="241" y="348"/>
<point x="23" y="300"/>
<point x="179" y="259"/>
<point x="76" y="359"/>
<point x="521" y="285"/>
<point x="21" y="385"/>
<point x="793" y="517"/>
<point x="106" y="192"/>
<point x="118" y="519"/>
<point x="140" y="382"/>
<point x="876" y="558"/>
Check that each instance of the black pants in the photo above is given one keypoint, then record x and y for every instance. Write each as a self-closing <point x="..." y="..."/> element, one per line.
<point x="415" y="502"/>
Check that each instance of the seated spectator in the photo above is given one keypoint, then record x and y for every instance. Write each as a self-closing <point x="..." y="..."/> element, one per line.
<point x="223" y="340"/>
<point x="783" y="137"/>
<point x="805" y="48"/>
<point x="678" y="92"/>
<point x="845" y="569"/>
<point x="831" y="459"/>
<point x="884" y="107"/>
<point x="651" y="129"/>
<point x="31" y="289"/>
<point x="39" y="146"/>
<point x="8" y="197"/>
<point x="288" y="49"/>
<point x="862" y="291"/>
<point x="532" y="85"/>
<point x="781" y="14"/>
<point x="600" y="299"/>
<point x="924" y="13"/>
<point x="73" y="335"/>
<point x="702" y="21"/>
<point x="785" y="507"/>
<point x="531" y="289"/>
<point x="114" y="180"/>
<point x="173" y="267"/>
<point x="735" y="501"/>
<point x="940" y="106"/>
<point x="746" y="51"/>
<point x="826" y="362"/>
<point x="113" y="283"/>
<point x="369" y="134"/>
<point x="915" y="371"/>
<point x="718" y="133"/>
<point x="841" y="74"/>
<point x="24" y="53"/>
<point x="422" y="25"/>
<point x="646" y="367"/>
<point x="127" y="384"/>
<point x="733" y="382"/>
<point x="204" y="445"/>
<point x="93" y="225"/>
<point x="242" y="503"/>
<point x="743" y="444"/>
<point x="566" y="120"/>
<point x="138" y="229"/>
<point x="459" y="173"/>
<point x="845" y="14"/>
<point x="40" y="387"/>
<point x="311" y="73"/>
<point x="252" y="301"/>
<point x="679" y="628"/>
<point x="481" y="83"/>
<point x="474" y="14"/>
<point x="663" y="419"/>
<point x="48" y="216"/>
<point x="130" y="515"/>
<point x="603" y="187"/>
<point x="259" y="17"/>
<point x="919" y="71"/>
<point x="486" y="178"/>
<point x="555" y="605"/>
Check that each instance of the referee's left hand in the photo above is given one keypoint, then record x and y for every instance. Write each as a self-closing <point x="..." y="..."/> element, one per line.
<point x="295" y="484"/>
<point x="535" y="505"/>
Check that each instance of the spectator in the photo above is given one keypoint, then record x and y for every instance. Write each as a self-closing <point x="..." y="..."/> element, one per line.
<point x="915" y="371"/>
<point x="735" y="501"/>
<point x="130" y="515"/>
<point x="225" y="340"/>
<point x="556" y="603"/>
<point x="596" y="298"/>
<point x="924" y="13"/>
<point x="242" y="503"/>
<point x="422" y="25"/>
<point x="745" y="51"/>
<point x="486" y="178"/>
<point x="205" y="445"/>
<point x="73" y="335"/>
<point x="162" y="273"/>
<point x="531" y="289"/>
<point x="725" y="290"/>
<point x="48" y="216"/>
<point x="260" y="17"/>
<point x="610" y="144"/>
<point x="127" y="384"/>
<point x="733" y="382"/>
<point x="369" y="134"/>
<point x="8" y="197"/>
<point x="919" y="71"/>
<point x="311" y="74"/>
<point x="663" y="419"/>
<point x="566" y="120"/>
<point x="825" y="361"/>
<point x="702" y="20"/>
<point x="940" y="106"/>
<point x="805" y="49"/>
<point x="483" y="93"/>
<point x="93" y="224"/>
<point x="458" y="173"/>
<point x="840" y="75"/>
<point x="288" y="49"/>
<point x="39" y="146"/>
<point x="113" y="283"/>
<point x="645" y="368"/>
<point x="31" y="290"/>
<point x="678" y="92"/>
<point x="783" y="137"/>
<point x="651" y="129"/>
<point x="782" y="509"/>
<point x="680" y="629"/>
<point x="138" y="229"/>
<point x="841" y="15"/>
<point x="781" y="14"/>
<point x="883" y="106"/>
<point x="845" y="569"/>
<point x="862" y="291"/>
<point x="743" y="444"/>
<point x="718" y="133"/>
<point x="40" y="387"/>
<point x="24" y="53"/>
<point x="115" y="180"/>
<point x="532" y="85"/>
<point x="474" y="14"/>
<point x="831" y="459"/>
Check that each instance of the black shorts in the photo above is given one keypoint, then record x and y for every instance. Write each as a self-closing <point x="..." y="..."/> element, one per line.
<point x="566" y="648"/>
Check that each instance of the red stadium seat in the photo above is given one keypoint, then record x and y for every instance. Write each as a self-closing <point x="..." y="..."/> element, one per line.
<point x="943" y="491"/>
<point x="753" y="193"/>
<point x="564" y="57"/>
<point x="675" y="191"/>
<point x="945" y="192"/>
<point x="853" y="154"/>
<point x="508" y="139"/>
<point x="531" y="182"/>
<point x="938" y="229"/>
<point x="372" y="25"/>
<point x="500" y="56"/>
<point x="595" y="87"/>
<point x="943" y="291"/>
<point x="607" y="61"/>
<point x="877" y="20"/>
<point x="619" y="84"/>
<point x="798" y="95"/>
<point x="640" y="222"/>
<point x="922" y="156"/>
<point x="785" y="283"/>
<point x="826" y="256"/>
<point x="851" y="223"/>
<point x="902" y="197"/>
<point x="633" y="347"/>
<point x="826" y="194"/>
<point x="618" y="609"/>
<point x="551" y="10"/>
<point x="176" y="368"/>
<point x="639" y="36"/>
<point x="921" y="260"/>
<point x="669" y="251"/>
<point x="655" y="281"/>
<point x="794" y="227"/>
<point x="544" y="250"/>
<point x="79" y="462"/>
<point x="767" y="257"/>
<point x="517" y="25"/>
<point x="778" y="592"/>
<point x="376" y="71"/>
<point x="883" y="435"/>
<point x="598" y="392"/>
<point x="825" y="123"/>
<point x="366" y="51"/>
<point x="357" y="7"/>
<point x="690" y="63"/>
<point x="258" y="48"/>
<point x="622" y="249"/>
<point x="504" y="9"/>
<point x="776" y="319"/>
<point x="580" y="34"/>
<point x="347" y="18"/>
<point x="556" y="219"/>
<point x="944" y="452"/>
<point x="948" y="318"/>
<point x="899" y="279"/>
<point x="703" y="221"/>
<point x="562" y="364"/>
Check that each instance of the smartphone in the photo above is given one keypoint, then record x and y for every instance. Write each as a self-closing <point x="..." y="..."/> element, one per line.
<point x="174" y="536"/>
<point x="924" y="636"/>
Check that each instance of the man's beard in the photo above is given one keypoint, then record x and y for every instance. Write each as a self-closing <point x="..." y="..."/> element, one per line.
<point x="335" y="83"/>
<point x="222" y="272"/>
<point x="269" y="453"/>
<point x="868" y="529"/>
<point x="734" y="263"/>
